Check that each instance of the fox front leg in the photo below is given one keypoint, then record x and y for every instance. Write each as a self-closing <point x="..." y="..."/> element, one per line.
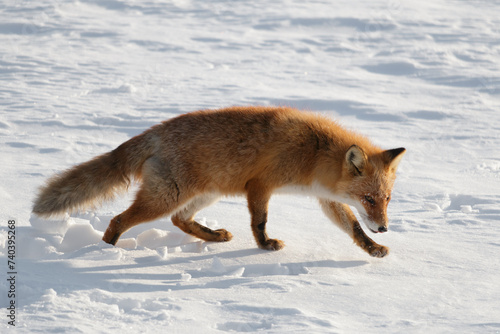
<point x="344" y="218"/>
<point x="258" y="199"/>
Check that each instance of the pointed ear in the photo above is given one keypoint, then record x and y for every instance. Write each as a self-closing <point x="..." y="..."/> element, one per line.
<point x="356" y="160"/>
<point x="393" y="157"/>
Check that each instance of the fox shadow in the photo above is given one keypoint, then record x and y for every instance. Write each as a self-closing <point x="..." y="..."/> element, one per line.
<point x="36" y="277"/>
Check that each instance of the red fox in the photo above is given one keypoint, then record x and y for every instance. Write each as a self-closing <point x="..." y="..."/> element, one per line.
<point x="190" y="161"/>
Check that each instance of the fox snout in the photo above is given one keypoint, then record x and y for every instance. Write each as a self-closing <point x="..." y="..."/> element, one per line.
<point x="382" y="229"/>
<point x="375" y="228"/>
<point x="377" y="224"/>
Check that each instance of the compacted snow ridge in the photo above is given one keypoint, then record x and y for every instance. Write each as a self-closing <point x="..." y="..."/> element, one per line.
<point x="78" y="78"/>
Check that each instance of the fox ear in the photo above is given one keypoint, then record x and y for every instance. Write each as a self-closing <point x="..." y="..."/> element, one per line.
<point x="393" y="157"/>
<point x="356" y="159"/>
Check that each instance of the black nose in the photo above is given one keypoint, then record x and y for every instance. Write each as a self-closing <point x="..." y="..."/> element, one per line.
<point x="382" y="229"/>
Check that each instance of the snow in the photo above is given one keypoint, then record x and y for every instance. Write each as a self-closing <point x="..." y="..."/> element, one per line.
<point x="77" y="78"/>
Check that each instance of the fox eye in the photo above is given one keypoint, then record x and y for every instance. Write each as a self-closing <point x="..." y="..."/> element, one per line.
<point x="370" y="200"/>
<point x="388" y="198"/>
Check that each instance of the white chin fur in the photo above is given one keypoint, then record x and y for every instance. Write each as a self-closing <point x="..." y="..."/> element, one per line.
<point x="372" y="226"/>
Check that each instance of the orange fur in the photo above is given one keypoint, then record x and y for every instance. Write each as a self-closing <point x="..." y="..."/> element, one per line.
<point x="187" y="162"/>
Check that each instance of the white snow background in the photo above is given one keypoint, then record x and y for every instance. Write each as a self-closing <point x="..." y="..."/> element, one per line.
<point x="78" y="78"/>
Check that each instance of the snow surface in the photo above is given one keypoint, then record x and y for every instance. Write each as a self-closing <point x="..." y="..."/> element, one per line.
<point x="77" y="78"/>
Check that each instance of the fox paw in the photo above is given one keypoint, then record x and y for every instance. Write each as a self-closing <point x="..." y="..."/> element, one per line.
<point x="272" y="244"/>
<point x="111" y="235"/>
<point x="222" y="235"/>
<point x="378" y="250"/>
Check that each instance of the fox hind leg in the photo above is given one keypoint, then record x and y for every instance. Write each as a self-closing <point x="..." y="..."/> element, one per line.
<point x="184" y="219"/>
<point x="146" y="207"/>
<point x="158" y="196"/>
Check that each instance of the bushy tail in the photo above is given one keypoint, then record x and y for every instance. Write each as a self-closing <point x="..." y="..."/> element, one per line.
<point x="94" y="181"/>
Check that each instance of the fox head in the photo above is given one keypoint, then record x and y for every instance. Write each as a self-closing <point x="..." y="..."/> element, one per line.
<point x="368" y="182"/>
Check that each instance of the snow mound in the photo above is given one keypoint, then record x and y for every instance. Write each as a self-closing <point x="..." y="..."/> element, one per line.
<point x="78" y="236"/>
<point x="153" y="238"/>
<point x="51" y="226"/>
